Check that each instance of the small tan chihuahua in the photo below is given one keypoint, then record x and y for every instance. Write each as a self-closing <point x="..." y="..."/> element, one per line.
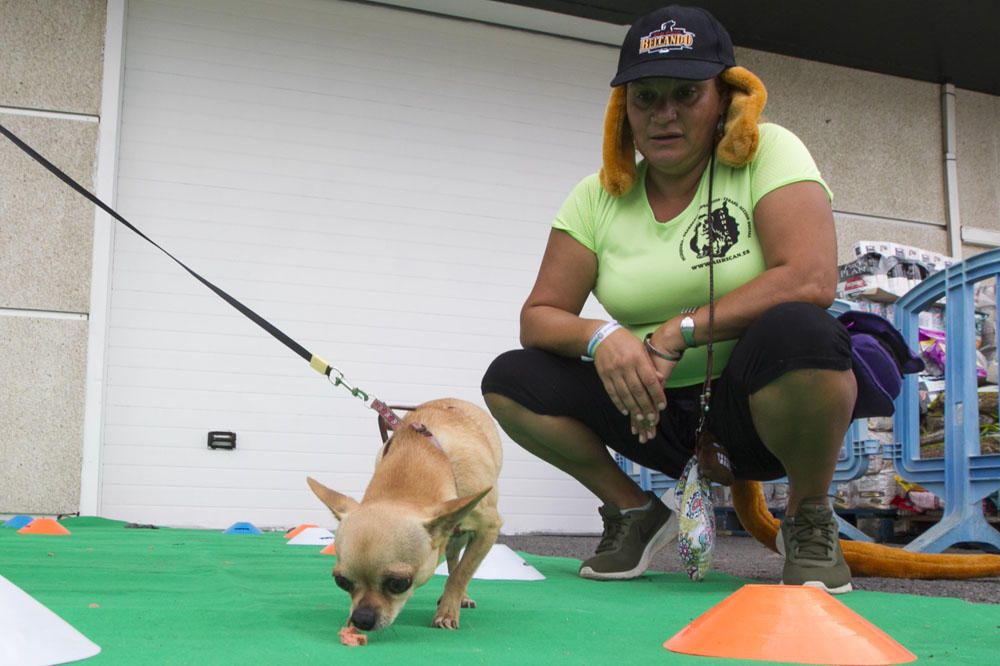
<point x="433" y="493"/>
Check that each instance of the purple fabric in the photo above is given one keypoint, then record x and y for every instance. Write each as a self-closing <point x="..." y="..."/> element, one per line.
<point x="881" y="357"/>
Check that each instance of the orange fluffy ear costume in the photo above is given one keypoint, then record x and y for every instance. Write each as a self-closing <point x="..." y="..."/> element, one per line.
<point x="736" y="148"/>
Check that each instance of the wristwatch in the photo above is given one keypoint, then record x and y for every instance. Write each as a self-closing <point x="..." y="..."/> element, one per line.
<point x="687" y="326"/>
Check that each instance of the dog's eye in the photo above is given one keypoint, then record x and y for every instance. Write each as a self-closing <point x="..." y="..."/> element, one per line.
<point x="397" y="585"/>
<point x="343" y="583"/>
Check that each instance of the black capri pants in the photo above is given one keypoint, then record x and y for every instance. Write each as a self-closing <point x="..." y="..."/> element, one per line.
<point x="789" y="336"/>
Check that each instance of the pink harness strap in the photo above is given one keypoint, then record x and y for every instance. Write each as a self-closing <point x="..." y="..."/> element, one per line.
<point x="389" y="420"/>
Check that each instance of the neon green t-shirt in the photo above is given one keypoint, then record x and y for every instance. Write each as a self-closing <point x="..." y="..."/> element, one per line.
<point x="648" y="271"/>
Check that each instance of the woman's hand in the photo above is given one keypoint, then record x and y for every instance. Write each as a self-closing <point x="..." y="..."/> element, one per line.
<point x="633" y="380"/>
<point x="660" y="345"/>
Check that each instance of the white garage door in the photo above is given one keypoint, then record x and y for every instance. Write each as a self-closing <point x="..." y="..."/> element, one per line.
<point x="378" y="183"/>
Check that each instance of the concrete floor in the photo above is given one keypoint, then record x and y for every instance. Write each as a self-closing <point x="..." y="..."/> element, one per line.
<point x="744" y="557"/>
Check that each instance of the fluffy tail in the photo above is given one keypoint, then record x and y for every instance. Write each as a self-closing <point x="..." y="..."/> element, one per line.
<point x="864" y="559"/>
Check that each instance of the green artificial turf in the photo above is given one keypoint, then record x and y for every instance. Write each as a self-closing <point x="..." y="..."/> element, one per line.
<point x="178" y="596"/>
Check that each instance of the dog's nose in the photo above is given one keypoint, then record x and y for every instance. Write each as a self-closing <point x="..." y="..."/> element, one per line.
<point x="364" y="618"/>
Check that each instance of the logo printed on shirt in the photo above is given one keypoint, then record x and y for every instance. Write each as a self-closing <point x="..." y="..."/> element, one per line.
<point x="668" y="38"/>
<point x="726" y="234"/>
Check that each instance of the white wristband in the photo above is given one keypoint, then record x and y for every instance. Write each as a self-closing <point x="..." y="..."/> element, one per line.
<point x="598" y="337"/>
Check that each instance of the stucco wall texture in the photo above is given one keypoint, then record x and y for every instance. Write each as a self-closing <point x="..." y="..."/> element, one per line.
<point x="53" y="59"/>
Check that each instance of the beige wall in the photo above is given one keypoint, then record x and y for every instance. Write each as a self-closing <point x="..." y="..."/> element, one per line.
<point x="53" y="58"/>
<point x="978" y="155"/>
<point x="877" y="140"/>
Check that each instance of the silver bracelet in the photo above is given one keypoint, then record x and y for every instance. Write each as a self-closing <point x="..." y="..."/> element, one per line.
<point x="666" y="356"/>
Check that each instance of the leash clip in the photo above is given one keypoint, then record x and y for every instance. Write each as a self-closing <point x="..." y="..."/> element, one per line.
<point x="336" y="378"/>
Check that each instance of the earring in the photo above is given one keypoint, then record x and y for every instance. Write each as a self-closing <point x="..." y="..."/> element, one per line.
<point x="720" y="127"/>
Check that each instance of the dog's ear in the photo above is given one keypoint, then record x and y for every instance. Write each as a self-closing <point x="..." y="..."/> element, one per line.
<point x="339" y="505"/>
<point x="449" y="514"/>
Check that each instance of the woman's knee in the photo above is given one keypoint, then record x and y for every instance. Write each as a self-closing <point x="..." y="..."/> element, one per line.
<point x="787" y="337"/>
<point x="798" y="329"/>
<point x="502" y="383"/>
<point x="503" y="370"/>
<point x="809" y="384"/>
<point x="503" y="409"/>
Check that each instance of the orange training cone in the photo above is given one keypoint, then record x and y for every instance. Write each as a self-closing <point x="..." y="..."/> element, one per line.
<point x="329" y="550"/>
<point x="787" y="623"/>
<point x="44" y="526"/>
<point x="295" y="532"/>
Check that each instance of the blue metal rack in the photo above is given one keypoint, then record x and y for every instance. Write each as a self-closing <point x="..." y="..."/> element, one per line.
<point x="964" y="476"/>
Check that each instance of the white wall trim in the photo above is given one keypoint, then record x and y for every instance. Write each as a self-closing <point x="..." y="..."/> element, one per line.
<point x="979" y="236"/>
<point x="872" y="217"/>
<point x="42" y="314"/>
<point x="100" y="279"/>
<point x="950" y="157"/>
<point x="525" y="18"/>
<point x="40" y="113"/>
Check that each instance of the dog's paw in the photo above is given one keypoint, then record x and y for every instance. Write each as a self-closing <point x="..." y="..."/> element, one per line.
<point x="446" y="620"/>
<point x="444" y="623"/>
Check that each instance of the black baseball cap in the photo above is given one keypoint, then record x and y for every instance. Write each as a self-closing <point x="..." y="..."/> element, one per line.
<point x="675" y="42"/>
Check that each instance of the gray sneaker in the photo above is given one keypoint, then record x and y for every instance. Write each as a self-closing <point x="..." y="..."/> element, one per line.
<point x="811" y="546"/>
<point x="630" y="540"/>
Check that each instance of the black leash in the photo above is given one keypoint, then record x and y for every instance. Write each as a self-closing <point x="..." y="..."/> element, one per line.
<point x="706" y="387"/>
<point x="315" y="362"/>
